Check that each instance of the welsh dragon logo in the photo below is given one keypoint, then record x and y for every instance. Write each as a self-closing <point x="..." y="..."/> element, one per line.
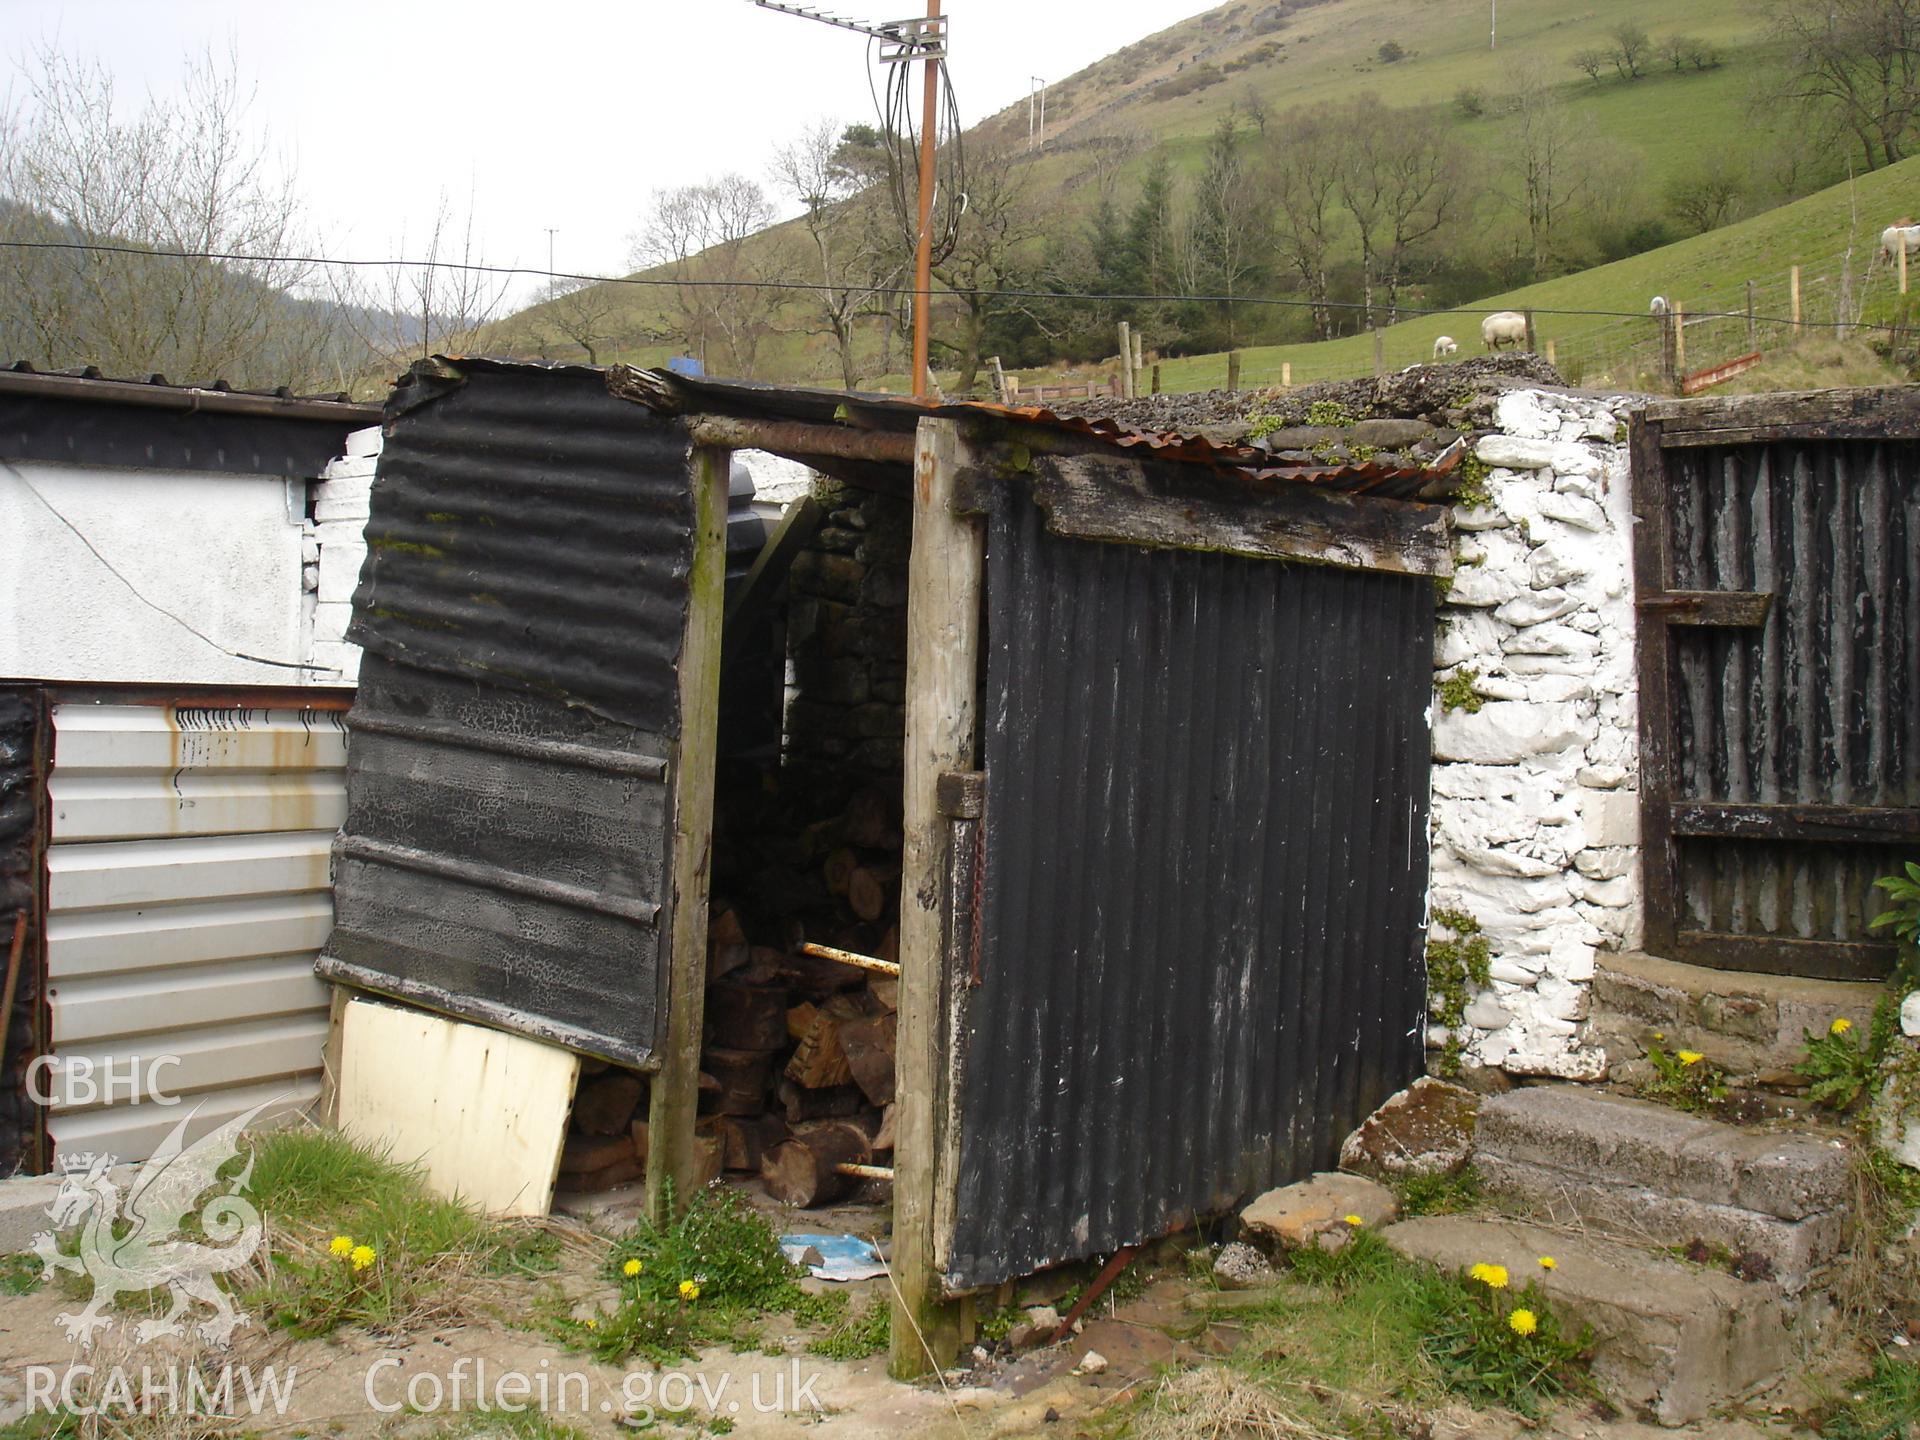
<point x="134" y="1246"/>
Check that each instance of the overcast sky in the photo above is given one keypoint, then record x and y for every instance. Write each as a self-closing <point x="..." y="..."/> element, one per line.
<point x="566" y="113"/>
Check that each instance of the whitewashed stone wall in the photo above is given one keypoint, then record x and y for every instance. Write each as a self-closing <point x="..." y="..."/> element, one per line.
<point x="1535" y="804"/>
<point x="333" y="550"/>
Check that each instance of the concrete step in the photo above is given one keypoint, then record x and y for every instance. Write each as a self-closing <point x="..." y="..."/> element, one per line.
<point x="1636" y="1168"/>
<point x="1750" y="1025"/>
<point x="1672" y="1341"/>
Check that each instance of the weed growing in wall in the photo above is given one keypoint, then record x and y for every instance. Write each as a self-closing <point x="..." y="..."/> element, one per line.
<point x="1457" y="969"/>
<point x="1684" y="1079"/>
<point x="1457" y="692"/>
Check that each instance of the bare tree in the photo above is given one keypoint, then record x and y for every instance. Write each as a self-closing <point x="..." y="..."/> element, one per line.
<point x="1705" y="195"/>
<point x="698" y="237"/>
<point x="582" y="311"/>
<point x="854" y="252"/>
<point x="439" y="299"/>
<point x="151" y="196"/>
<point x="1402" y="182"/>
<point x="1631" y="48"/>
<point x="1853" y="68"/>
<point x="1590" y="63"/>
<point x="996" y="250"/>
<point x="1548" y="161"/>
<point x="1304" y="175"/>
<point x="1232" y="224"/>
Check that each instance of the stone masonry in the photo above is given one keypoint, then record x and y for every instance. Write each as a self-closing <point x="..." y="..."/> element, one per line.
<point x="1535" y="817"/>
<point x="334" y="548"/>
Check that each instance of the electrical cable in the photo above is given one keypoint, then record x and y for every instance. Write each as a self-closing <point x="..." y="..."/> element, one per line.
<point x="1401" y="312"/>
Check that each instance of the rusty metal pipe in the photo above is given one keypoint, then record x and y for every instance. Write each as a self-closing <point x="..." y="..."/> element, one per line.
<point x="848" y="957"/>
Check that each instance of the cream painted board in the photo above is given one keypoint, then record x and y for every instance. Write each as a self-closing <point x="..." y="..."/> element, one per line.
<point x="484" y="1113"/>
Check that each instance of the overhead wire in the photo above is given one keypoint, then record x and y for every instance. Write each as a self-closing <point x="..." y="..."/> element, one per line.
<point x="1400" y="312"/>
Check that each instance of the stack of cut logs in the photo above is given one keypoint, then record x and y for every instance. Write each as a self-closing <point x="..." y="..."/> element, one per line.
<point x="797" y="1069"/>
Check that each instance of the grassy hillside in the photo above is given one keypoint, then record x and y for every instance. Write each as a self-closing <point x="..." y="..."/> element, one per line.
<point x="1274" y="55"/>
<point x="1708" y="273"/>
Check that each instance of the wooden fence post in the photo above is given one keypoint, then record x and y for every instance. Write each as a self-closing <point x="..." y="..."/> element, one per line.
<point x="1156" y="377"/>
<point x="1553" y="357"/>
<point x="675" y="1092"/>
<point x="1379" y="351"/>
<point x="1533" y="340"/>
<point x="1753" y="329"/>
<point x="1903" y="264"/>
<point x="1286" y="374"/>
<point x="1139" y="357"/>
<point x="1126" y="361"/>
<point x="1679" y="347"/>
<point x="1233" y="370"/>
<point x="1669" y="368"/>
<point x="943" y="653"/>
<point x="999" y="380"/>
<point x="1793" y="292"/>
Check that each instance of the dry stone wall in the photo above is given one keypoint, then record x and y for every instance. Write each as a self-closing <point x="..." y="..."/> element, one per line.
<point x="1535" y="804"/>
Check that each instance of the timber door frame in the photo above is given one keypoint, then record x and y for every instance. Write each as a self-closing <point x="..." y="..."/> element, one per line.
<point x="1666" y="818"/>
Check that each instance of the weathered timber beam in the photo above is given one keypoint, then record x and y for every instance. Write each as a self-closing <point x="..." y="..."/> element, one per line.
<point x="770" y="566"/>
<point x="797" y="439"/>
<point x="1172" y="506"/>
<point x="1727" y="609"/>
<point x="1777" y="955"/>
<point x="1866" y="825"/>
<point x="1889" y="413"/>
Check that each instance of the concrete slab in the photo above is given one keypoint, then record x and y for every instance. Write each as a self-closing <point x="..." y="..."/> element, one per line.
<point x="1671" y="1341"/>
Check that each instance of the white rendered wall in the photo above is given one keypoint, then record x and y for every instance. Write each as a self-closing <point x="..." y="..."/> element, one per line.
<point x="1535" y="817"/>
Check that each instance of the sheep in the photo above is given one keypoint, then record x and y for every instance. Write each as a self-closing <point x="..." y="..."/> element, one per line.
<point x="1504" y="327"/>
<point x="1659" y="306"/>
<point x="1445" y="345"/>
<point x="1902" y="232"/>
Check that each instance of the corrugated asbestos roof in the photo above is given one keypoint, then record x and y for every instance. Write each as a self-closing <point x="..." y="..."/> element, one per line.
<point x="750" y="399"/>
<point x="88" y="383"/>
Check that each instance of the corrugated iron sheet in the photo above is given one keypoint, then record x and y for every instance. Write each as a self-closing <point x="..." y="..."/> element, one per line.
<point x="1206" y="859"/>
<point x="1821" y="706"/>
<point x="187" y="898"/>
<point x="530" y="536"/>
<point x="522" y="607"/>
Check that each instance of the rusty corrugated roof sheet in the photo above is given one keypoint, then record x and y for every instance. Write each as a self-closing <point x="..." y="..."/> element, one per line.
<point x="749" y="399"/>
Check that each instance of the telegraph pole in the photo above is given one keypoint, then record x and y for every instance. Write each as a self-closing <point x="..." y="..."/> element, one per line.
<point x="1493" y="26"/>
<point x="923" y="253"/>
<point x="903" y="42"/>
<point x="551" y="281"/>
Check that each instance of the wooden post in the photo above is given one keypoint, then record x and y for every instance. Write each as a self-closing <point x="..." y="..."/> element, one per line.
<point x="999" y="380"/>
<point x="1533" y="343"/>
<point x="1379" y="351"/>
<point x="1793" y="295"/>
<point x="1286" y="374"/>
<point x="1903" y="264"/>
<point x="1233" y="370"/>
<point x="1139" y="351"/>
<point x="1679" y="347"/>
<point x="1553" y="356"/>
<point x="943" y="658"/>
<point x="672" y="1164"/>
<point x="1669" y="370"/>
<point x="1156" y="377"/>
<point x="1126" y="361"/>
<point x="1753" y="329"/>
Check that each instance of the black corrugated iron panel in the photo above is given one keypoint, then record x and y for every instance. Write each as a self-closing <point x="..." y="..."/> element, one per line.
<point x="507" y="842"/>
<point x="529" y="530"/>
<point x="24" y="749"/>
<point x="1821" y="705"/>
<point x="1202" y="955"/>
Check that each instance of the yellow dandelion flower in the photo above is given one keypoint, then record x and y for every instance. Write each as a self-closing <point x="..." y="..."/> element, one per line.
<point x="591" y="1323"/>
<point x="1547" y="1262"/>
<point x="689" y="1290"/>
<point x="1689" y="1057"/>
<point x="1494" y="1277"/>
<point x="341" y="1244"/>
<point x="1523" y="1322"/>
<point x="362" y="1256"/>
<point x="1355" y="1221"/>
<point x="1659" y="1034"/>
<point x="1840" y="1026"/>
<point x="631" y="1268"/>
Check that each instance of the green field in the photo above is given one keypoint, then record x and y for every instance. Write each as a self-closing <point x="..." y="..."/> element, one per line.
<point x="1705" y="274"/>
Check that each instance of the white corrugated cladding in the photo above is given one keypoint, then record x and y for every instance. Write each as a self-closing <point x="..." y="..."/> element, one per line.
<point x="188" y="896"/>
